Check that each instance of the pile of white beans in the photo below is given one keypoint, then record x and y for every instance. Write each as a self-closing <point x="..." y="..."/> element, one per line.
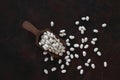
<point x="50" y="43"/>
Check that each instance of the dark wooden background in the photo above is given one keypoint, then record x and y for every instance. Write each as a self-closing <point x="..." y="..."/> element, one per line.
<point x="20" y="59"/>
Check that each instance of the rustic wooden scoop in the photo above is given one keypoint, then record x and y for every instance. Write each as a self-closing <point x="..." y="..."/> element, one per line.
<point x="38" y="33"/>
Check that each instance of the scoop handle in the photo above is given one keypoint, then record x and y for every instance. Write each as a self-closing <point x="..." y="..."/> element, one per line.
<point x="31" y="28"/>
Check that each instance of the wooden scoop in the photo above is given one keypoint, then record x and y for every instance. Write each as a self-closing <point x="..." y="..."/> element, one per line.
<point x="31" y="28"/>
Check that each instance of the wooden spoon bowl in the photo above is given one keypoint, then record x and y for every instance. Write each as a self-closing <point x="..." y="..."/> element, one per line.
<point x="38" y="33"/>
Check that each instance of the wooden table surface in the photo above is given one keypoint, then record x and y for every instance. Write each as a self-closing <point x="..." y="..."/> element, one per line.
<point x="21" y="59"/>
